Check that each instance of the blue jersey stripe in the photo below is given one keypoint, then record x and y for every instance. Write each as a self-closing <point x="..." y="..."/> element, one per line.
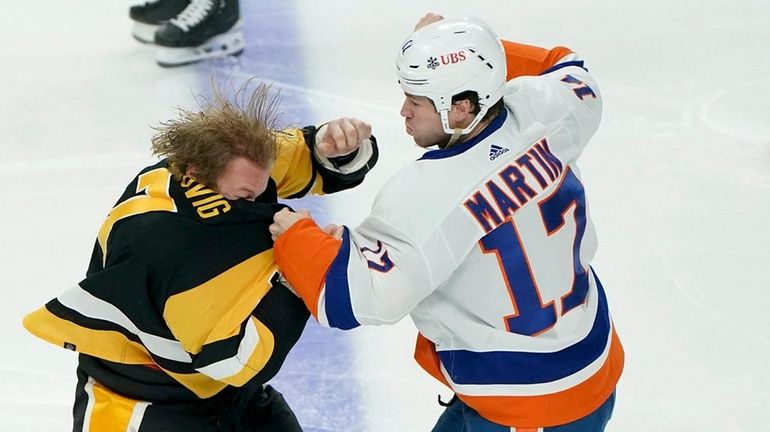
<point x="578" y="63"/>
<point x="515" y="367"/>
<point x="339" y="311"/>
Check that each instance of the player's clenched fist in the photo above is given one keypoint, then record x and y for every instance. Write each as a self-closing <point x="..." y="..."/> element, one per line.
<point x="342" y="136"/>
<point x="429" y="18"/>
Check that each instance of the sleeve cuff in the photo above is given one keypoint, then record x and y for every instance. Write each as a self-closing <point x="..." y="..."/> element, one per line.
<point x="303" y="254"/>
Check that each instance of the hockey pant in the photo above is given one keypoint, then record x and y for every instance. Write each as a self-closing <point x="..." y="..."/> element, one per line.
<point x="98" y="409"/>
<point x="459" y="417"/>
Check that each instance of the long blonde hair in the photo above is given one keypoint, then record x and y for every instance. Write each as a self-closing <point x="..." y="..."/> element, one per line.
<point x="208" y="139"/>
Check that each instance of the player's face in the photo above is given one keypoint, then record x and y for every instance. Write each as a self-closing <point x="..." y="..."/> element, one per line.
<point x="243" y="178"/>
<point x="422" y="121"/>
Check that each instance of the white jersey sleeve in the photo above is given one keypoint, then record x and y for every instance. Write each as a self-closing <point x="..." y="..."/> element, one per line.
<point x="566" y="95"/>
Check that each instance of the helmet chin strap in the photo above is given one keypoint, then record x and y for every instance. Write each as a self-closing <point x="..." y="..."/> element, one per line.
<point x="456" y="133"/>
<point x="455" y="136"/>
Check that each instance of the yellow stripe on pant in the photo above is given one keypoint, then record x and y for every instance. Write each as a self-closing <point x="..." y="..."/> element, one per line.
<point x="110" y="412"/>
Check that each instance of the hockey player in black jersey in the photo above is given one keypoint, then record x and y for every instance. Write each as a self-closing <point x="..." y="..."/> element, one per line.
<point x="182" y="317"/>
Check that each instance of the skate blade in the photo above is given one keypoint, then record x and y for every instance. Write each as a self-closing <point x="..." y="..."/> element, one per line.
<point x="230" y="43"/>
<point x="144" y="33"/>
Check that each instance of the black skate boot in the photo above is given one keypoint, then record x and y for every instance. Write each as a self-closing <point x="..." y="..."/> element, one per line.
<point x="150" y="15"/>
<point x="205" y="29"/>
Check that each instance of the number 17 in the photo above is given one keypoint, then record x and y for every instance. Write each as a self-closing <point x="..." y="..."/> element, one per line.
<point x="532" y="317"/>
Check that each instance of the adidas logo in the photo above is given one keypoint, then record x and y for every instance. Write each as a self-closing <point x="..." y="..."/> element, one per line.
<point x="496" y="151"/>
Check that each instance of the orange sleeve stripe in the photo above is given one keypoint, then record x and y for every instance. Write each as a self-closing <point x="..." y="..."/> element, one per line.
<point x="537" y="411"/>
<point x="304" y="253"/>
<point x="530" y="60"/>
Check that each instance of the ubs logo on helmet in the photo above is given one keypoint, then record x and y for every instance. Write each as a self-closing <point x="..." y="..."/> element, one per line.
<point x="446" y="59"/>
<point x="452" y="58"/>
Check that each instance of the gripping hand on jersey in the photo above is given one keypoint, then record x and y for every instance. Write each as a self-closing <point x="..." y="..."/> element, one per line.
<point x="285" y="219"/>
<point x="342" y="136"/>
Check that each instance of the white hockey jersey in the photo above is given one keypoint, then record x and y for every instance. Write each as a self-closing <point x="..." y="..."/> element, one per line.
<point x="487" y="245"/>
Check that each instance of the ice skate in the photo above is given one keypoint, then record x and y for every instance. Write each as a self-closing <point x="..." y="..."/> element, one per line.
<point x="149" y="16"/>
<point x="205" y="29"/>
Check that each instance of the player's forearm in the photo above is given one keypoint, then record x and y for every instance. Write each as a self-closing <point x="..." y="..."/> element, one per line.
<point x="304" y="253"/>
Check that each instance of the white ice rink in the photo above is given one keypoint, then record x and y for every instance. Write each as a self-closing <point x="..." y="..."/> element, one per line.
<point x="678" y="179"/>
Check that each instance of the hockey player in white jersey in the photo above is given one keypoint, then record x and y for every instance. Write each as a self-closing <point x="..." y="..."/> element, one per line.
<point x="486" y="241"/>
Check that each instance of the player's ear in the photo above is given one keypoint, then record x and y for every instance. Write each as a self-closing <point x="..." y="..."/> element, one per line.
<point x="463" y="105"/>
<point x="192" y="171"/>
<point x="463" y="108"/>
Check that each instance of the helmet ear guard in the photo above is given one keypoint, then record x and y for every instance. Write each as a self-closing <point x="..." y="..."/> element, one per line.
<point x="451" y="56"/>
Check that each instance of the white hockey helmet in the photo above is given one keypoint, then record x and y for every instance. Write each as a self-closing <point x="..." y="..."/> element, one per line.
<point x="449" y="57"/>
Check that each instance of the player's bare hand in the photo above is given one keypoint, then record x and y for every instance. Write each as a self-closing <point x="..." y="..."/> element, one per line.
<point x="334" y="230"/>
<point x="343" y="136"/>
<point x="429" y="18"/>
<point x="284" y="219"/>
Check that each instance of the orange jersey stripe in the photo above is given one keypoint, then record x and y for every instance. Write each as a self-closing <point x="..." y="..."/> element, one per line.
<point x="304" y="253"/>
<point x="524" y="59"/>
<point x="537" y="411"/>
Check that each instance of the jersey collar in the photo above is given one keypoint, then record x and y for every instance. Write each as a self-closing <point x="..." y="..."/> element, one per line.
<point x="463" y="147"/>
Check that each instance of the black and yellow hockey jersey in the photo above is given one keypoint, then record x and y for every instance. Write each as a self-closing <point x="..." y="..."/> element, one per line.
<point x="182" y="297"/>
